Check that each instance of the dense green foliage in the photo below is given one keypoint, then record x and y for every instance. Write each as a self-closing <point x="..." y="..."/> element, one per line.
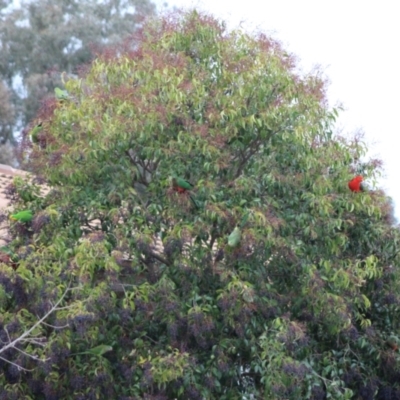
<point x="302" y="303"/>
<point x="39" y="39"/>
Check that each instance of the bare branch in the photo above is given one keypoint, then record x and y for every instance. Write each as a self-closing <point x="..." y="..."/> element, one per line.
<point x="16" y="365"/>
<point x="28" y="337"/>
<point x="55" y="327"/>
<point x="30" y="355"/>
<point x="34" y="341"/>
<point x="157" y="257"/>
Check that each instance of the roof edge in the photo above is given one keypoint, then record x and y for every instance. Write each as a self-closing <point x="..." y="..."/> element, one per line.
<point x="8" y="170"/>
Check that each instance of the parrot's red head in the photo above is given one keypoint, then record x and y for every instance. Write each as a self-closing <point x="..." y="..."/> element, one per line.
<point x="355" y="184"/>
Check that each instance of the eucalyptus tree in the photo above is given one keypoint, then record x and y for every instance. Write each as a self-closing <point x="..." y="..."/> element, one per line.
<point x="39" y="39"/>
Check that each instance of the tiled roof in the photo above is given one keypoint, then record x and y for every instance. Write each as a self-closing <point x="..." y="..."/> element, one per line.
<point x="7" y="175"/>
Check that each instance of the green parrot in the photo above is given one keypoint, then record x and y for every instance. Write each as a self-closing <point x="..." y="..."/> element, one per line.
<point x="234" y="237"/>
<point x="180" y="185"/>
<point x="61" y="94"/>
<point x="22" y="216"/>
<point x="97" y="351"/>
<point x="7" y="250"/>
<point x="34" y="133"/>
<point x="392" y="343"/>
<point x="7" y="256"/>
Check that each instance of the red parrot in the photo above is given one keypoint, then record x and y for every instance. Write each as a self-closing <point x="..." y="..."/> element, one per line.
<point x="392" y="344"/>
<point x="181" y="185"/>
<point x="355" y="184"/>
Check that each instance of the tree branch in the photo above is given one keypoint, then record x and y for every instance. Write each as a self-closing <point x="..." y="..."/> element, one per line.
<point x="27" y="337"/>
<point x="156" y="256"/>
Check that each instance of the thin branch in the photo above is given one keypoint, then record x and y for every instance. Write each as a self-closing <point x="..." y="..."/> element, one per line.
<point x="148" y="337"/>
<point x="24" y="336"/>
<point x="16" y="365"/>
<point x="157" y="257"/>
<point x="155" y="164"/>
<point x="9" y="339"/>
<point x="55" y="327"/>
<point x="133" y="161"/>
<point x="63" y="308"/>
<point x="30" y="355"/>
<point x="146" y="165"/>
<point x="33" y="341"/>
<point x="253" y="148"/>
<point x="213" y="236"/>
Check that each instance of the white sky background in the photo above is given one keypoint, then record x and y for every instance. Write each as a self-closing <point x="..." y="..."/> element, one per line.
<point x="356" y="44"/>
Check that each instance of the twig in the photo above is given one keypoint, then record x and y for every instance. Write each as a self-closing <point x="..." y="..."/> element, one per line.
<point x="28" y="337"/>
<point x="33" y="341"/>
<point x="157" y="257"/>
<point x="30" y="355"/>
<point x="55" y="327"/>
<point x="16" y="365"/>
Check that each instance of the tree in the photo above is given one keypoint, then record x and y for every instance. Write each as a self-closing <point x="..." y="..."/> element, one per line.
<point x="6" y="122"/>
<point x="42" y="38"/>
<point x="276" y="281"/>
<point x="6" y="112"/>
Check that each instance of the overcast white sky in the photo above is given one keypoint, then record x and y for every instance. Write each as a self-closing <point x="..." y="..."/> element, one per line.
<point x="356" y="43"/>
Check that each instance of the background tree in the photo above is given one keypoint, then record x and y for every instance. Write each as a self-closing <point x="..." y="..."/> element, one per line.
<point x="276" y="280"/>
<point x="42" y="38"/>
<point x="6" y="123"/>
